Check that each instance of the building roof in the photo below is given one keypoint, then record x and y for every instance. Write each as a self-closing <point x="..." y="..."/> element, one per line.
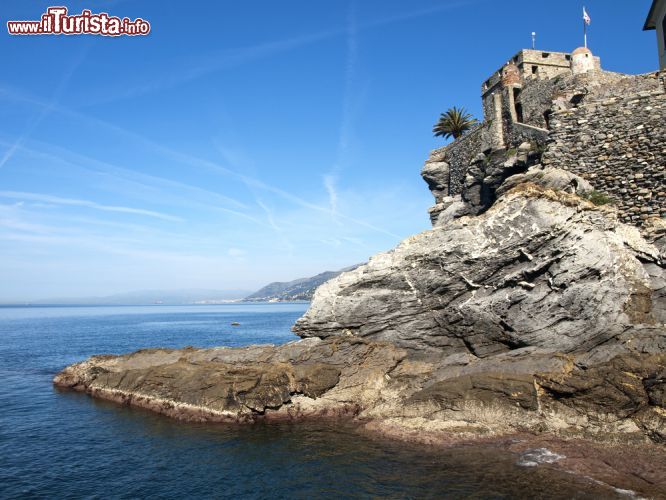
<point x="651" y="21"/>
<point x="581" y="50"/>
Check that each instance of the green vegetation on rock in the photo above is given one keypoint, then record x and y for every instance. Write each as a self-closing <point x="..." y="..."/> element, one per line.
<point x="454" y="123"/>
<point x="598" y="198"/>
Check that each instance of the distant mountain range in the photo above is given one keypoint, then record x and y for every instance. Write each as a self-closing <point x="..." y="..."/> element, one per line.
<point x="297" y="290"/>
<point x="300" y="289"/>
<point x="147" y="297"/>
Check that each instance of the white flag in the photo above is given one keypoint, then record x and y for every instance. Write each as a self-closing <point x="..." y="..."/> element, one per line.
<point x="586" y="17"/>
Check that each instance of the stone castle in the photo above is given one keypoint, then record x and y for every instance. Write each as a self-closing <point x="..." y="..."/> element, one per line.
<point x="556" y="109"/>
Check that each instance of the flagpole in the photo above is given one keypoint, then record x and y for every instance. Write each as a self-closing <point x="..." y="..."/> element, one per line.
<point x="584" y="28"/>
<point x="585" y="32"/>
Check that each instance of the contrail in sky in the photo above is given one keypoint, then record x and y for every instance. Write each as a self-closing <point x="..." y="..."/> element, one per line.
<point x="203" y="163"/>
<point x="45" y="110"/>
<point x="55" y="200"/>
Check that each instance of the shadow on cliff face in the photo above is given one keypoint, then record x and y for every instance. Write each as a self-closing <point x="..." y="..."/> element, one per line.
<point x="487" y="172"/>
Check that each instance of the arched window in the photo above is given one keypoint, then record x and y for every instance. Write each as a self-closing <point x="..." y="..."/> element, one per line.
<point x="663" y="30"/>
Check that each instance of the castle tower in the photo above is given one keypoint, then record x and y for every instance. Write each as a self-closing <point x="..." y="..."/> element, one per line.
<point x="510" y="75"/>
<point x="512" y="84"/>
<point x="582" y="61"/>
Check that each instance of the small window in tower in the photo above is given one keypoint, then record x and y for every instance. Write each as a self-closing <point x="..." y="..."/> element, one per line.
<point x="663" y="31"/>
<point x="567" y="57"/>
<point x="535" y="70"/>
<point x="545" y="54"/>
<point x="576" y="99"/>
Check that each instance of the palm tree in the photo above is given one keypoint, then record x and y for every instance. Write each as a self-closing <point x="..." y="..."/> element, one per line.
<point x="454" y="123"/>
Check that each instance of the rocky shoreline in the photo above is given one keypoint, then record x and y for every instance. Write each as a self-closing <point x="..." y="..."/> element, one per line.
<point x="356" y="380"/>
<point x="541" y="316"/>
<point x="390" y="390"/>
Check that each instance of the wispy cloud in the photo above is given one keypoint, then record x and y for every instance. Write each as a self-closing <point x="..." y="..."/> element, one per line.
<point x="124" y="181"/>
<point x="46" y="110"/>
<point x="256" y="183"/>
<point x="55" y="200"/>
<point x="15" y="224"/>
<point x="215" y="61"/>
<point x="277" y="228"/>
<point x="211" y="166"/>
<point x="348" y="104"/>
<point x="20" y="222"/>
<point x="329" y="183"/>
<point x="239" y="160"/>
<point x="414" y="14"/>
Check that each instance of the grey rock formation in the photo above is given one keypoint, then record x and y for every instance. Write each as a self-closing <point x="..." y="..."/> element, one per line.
<point x="487" y="172"/>
<point x="349" y="375"/>
<point x="540" y="268"/>
<point x="436" y="175"/>
<point x="542" y="314"/>
<point x="549" y="178"/>
<point x="448" y="209"/>
<point x="525" y="309"/>
<point x="607" y="392"/>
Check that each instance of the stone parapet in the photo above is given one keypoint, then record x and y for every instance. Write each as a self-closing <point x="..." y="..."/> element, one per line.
<point x="619" y="145"/>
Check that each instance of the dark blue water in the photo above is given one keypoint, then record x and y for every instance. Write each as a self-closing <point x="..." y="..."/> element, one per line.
<point x="66" y="445"/>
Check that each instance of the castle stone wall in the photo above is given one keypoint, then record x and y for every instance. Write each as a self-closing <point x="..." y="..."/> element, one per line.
<point x="533" y="65"/>
<point x="619" y="145"/>
<point x="534" y="98"/>
<point x="461" y="152"/>
<point x="537" y="64"/>
<point x="520" y="132"/>
<point x="607" y="84"/>
<point x="607" y="127"/>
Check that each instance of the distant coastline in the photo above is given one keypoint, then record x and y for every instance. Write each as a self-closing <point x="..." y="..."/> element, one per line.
<point x="231" y="302"/>
<point x="297" y="291"/>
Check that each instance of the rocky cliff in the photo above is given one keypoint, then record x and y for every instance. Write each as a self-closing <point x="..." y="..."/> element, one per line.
<point x="540" y="269"/>
<point x="542" y="313"/>
<point x="526" y="308"/>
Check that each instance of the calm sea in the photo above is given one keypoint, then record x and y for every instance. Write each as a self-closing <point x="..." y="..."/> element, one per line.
<point x="66" y="445"/>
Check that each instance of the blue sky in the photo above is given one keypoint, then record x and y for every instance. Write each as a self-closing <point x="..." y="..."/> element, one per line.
<point x="246" y="142"/>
